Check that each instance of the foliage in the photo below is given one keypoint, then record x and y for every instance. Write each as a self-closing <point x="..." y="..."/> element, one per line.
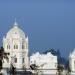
<point x="33" y="66"/>
<point x="2" y="56"/>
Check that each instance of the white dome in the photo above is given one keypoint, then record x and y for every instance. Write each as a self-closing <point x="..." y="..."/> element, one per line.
<point x="15" y="32"/>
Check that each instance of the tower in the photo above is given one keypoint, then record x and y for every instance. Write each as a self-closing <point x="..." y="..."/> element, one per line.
<point x="16" y="44"/>
<point x="72" y="62"/>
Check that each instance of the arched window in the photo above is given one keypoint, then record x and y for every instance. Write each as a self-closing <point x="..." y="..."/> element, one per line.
<point x="22" y="60"/>
<point x="8" y="60"/>
<point x="15" y="60"/>
<point x="15" y="46"/>
<point x="8" y="46"/>
<point x="23" y="46"/>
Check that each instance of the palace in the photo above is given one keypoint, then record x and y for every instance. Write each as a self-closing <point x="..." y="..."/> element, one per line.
<point x="46" y="63"/>
<point x="72" y="62"/>
<point x="16" y="44"/>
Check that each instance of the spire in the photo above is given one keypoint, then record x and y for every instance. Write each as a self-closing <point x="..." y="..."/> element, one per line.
<point x="15" y="23"/>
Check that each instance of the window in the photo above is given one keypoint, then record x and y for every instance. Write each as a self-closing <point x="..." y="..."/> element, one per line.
<point x="15" y="60"/>
<point x="8" y="60"/>
<point x="15" y="46"/>
<point x="22" y="46"/>
<point x="55" y="64"/>
<point x="23" y="60"/>
<point x="8" y="46"/>
<point x="31" y="61"/>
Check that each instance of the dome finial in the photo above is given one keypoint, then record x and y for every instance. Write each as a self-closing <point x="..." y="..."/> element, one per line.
<point x="15" y="24"/>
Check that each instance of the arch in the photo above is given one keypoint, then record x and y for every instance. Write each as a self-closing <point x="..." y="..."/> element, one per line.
<point x="23" y="47"/>
<point x="15" y="46"/>
<point x="8" y="46"/>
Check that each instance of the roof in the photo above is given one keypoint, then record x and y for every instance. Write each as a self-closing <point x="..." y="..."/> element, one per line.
<point x="72" y="54"/>
<point x="15" y="31"/>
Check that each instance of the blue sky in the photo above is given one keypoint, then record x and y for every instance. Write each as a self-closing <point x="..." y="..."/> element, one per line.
<point x="49" y="24"/>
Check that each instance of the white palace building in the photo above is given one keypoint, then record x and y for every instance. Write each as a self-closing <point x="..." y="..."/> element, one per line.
<point x="16" y="44"/>
<point x="72" y="62"/>
<point x="46" y="63"/>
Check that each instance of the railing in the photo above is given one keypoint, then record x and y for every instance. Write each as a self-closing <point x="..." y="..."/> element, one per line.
<point x="29" y="72"/>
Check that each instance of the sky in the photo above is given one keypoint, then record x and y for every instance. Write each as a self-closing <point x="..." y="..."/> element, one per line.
<point x="48" y="23"/>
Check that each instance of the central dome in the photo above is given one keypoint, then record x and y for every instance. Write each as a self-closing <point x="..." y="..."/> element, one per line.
<point x="15" y="32"/>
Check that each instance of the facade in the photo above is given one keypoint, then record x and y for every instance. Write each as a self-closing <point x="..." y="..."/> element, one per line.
<point x="47" y="63"/>
<point x="16" y="44"/>
<point x="72" y="62"/>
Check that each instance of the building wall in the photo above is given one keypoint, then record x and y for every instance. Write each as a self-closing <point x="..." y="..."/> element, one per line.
<point x="47" y="63"/>
<point x="17" y="47"/>
<point x="72" y="61"/>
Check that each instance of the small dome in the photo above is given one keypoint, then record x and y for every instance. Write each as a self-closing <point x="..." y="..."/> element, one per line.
<point x="15" y="32"/>
<point x="72" y="54"/>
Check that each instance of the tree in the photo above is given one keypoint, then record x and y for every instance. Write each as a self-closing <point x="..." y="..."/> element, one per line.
<point x="3" y="55"/>
<point x="33" y="66"/>
<point x="68" y="66"/>
<point x="53" y="51"/>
